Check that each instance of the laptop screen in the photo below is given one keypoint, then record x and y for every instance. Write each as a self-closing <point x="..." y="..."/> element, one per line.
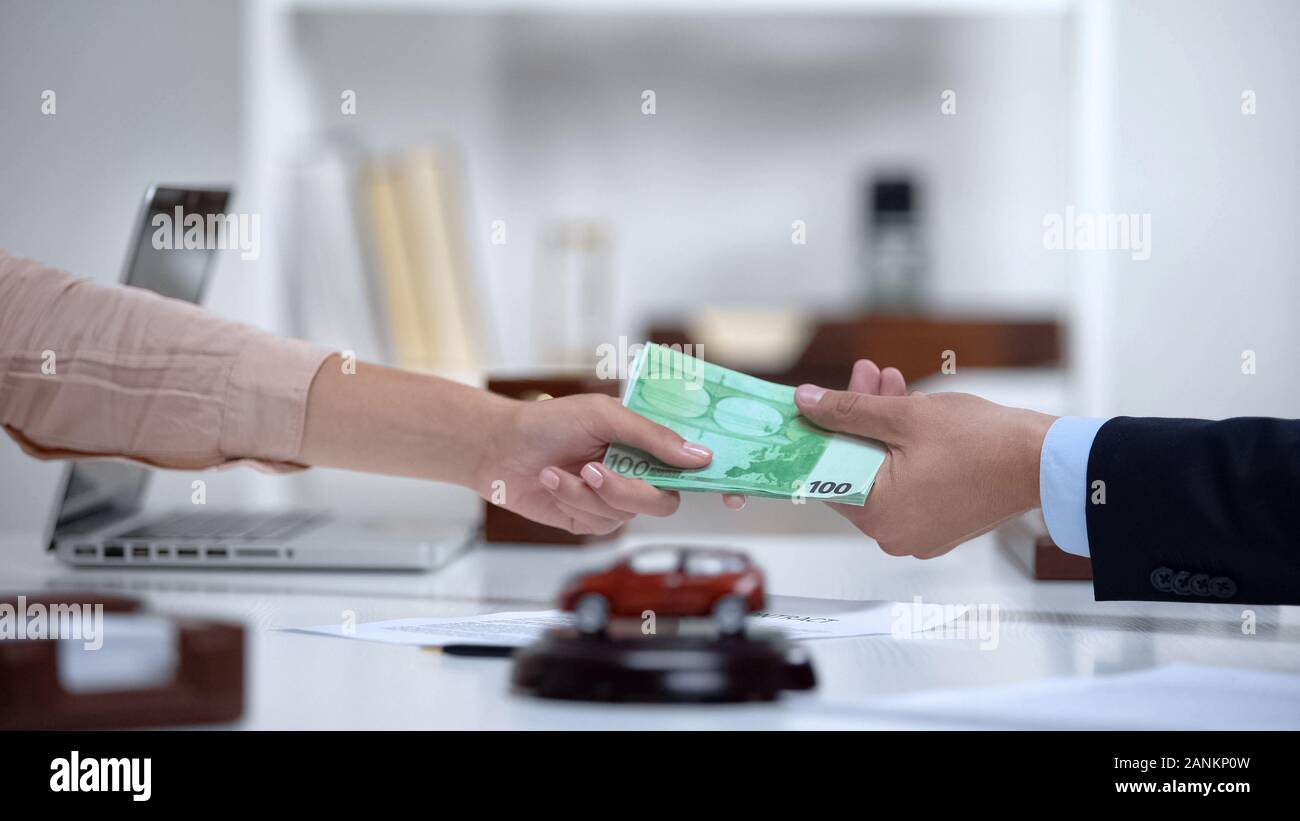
<point x="97" y="492"/>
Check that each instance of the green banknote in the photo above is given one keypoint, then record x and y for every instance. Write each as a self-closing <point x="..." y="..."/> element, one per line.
<point x="761" y="445"/>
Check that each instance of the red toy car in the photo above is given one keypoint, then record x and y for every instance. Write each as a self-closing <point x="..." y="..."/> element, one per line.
<point x="671" y="581"/>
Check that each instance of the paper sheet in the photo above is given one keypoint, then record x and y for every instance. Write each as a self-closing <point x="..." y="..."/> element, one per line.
<point x="796" y="616"/>
<point x="1174" y="697"/>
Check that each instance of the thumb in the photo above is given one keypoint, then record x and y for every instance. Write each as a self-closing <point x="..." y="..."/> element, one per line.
<point x="615" y="423"/>
<point x="861" y="414"/>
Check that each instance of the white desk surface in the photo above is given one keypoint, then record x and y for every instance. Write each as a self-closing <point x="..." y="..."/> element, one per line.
<point x="302" y="681"/>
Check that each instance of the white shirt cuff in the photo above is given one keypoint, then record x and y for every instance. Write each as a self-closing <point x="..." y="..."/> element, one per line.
<point x="1063" y="481"/>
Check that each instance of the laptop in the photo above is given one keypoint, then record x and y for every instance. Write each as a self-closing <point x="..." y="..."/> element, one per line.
<point x="99" y="517"/>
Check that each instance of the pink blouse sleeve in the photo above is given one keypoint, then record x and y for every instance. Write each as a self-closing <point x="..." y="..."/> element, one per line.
<point x="87" y="370"/>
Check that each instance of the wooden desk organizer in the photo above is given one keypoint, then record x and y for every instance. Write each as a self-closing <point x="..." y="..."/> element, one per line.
<point x="209" y="683"/>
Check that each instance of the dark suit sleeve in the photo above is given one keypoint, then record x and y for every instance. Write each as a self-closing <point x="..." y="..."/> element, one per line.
<point x="1196" y="510"/>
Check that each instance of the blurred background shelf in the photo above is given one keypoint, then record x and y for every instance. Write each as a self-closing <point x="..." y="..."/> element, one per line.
<point x="915" y="344"/>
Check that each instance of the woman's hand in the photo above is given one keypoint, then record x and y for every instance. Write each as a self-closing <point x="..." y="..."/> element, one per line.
<point x="543" y="461"/>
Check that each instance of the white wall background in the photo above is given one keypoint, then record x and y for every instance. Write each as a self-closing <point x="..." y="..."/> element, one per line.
<point x="1223" y="191"/>
<point x="146" y="91"/>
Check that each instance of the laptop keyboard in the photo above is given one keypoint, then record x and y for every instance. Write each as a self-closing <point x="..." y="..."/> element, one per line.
<point x="215" y="525"/>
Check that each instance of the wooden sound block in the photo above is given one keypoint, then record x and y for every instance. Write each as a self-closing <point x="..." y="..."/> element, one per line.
<point x="565" y="664"/>
<point x="499" y="524"/>
<point x="1023" y="538"/>
<point x="1051" y="562"/>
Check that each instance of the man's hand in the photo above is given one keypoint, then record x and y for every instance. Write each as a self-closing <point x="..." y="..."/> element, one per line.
<point x="544" y="463"/>
<point x="957" y="465"/>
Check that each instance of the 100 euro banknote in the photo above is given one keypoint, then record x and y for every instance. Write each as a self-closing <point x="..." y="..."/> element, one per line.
<point x="761" y="445"/>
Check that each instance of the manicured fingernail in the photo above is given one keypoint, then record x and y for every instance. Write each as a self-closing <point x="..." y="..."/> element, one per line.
<point x="735" y="502"/>
<point x="592" y="474"/>
<point x="550" y="478"/>
<point x="809" y="394"/>
<point x="697" y="450"/>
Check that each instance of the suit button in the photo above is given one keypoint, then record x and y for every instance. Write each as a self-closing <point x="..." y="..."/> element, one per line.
<point x="1223" y="587"/>
<point x="1162" y="579"/>
<point x="1201" y="584"/>
<point x="1182" y="583"/>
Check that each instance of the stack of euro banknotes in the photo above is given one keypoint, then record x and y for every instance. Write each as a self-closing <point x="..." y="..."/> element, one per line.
<point x="761" y="445"/>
